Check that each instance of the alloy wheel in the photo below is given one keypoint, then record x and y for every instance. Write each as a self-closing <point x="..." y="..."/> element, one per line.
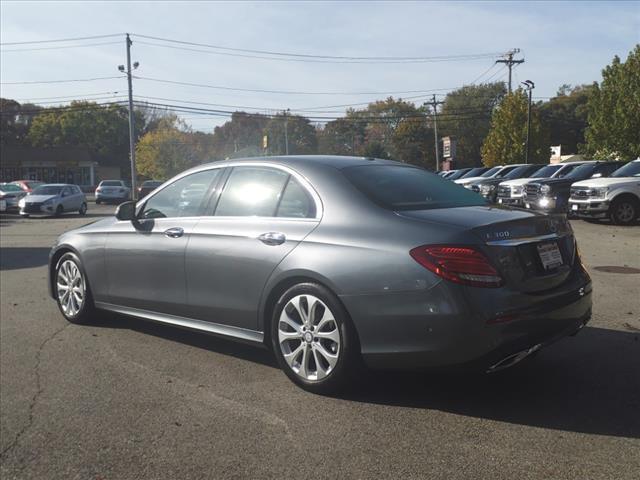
<point x="71" y="288"/>
<point x="309" y="337"/>
<point x="625" y="212"/>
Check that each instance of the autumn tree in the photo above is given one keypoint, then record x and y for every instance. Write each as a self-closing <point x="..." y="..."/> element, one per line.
<point x="300" y="133"/>
<point x="614" y="110"/>
<point x="506" y="140"/>
<point x="240" y="137"/>
<point x="343" y="136"/>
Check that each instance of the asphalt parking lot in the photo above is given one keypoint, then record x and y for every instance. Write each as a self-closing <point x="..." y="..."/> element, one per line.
<point x="127" y="399"/>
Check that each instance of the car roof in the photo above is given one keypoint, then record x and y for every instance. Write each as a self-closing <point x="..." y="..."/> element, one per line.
<point x="58" y="185"/>
<point x="335" y="161"/>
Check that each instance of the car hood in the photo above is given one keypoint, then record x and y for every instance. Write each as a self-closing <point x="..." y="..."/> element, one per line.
<point x="464" y="181"/>
<point x="607" y="182"/>
<point x="553" y="181"/>
<point x="39" y="198"/>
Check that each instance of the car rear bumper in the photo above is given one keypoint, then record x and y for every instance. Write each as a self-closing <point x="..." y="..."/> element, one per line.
<point x="111" y="196"/>
<point x="441" y="330"/>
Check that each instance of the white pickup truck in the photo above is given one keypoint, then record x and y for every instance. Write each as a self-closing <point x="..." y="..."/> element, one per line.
<point x="616" y="196"/>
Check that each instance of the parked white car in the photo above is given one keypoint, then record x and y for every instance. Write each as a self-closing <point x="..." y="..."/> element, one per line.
<point x="616" y="197"/>
<point x="113" y="191"/>
<point x="10" y="195"/>
<point x="53" y="199"/>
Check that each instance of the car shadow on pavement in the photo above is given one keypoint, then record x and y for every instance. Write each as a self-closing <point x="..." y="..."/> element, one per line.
<point x="203" y="341"/>
<point x="589" y="384"/>
<point x="15" y="258"/>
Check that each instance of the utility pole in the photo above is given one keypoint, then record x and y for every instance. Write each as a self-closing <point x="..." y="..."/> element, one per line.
<point x="286" y="133"/>
<point x="510" y="62"/>
<point x="132" y="149"/>
<point x="433" y="103"/>
<point x="529" y="86"/>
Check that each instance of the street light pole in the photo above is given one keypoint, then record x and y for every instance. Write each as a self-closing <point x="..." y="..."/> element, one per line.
<point x="529" y="86"/>
<point x="132" y="148"/>
<point x="286" y="133"/>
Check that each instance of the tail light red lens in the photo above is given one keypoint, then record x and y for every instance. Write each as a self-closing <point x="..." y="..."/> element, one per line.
<point x="464" y="265"/>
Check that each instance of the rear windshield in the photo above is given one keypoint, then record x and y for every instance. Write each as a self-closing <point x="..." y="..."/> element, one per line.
<point x="631" y="169"/>
<point x="48" y="190"/>
<point x="111" y="183"/>
<point x="409" y="188"/>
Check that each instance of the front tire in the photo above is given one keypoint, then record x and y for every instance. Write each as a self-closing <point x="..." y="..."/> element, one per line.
<point x="59" y="210"/>
<point x="624" y="211"/>
<point x="312" y="338"/>
<point x="83" y="209"/>
<point x="71" y="289"/>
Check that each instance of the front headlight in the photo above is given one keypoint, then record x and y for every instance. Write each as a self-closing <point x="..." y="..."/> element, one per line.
<point x="469" y="186"/>
<point x="487" y="189"/>
<point x="545" y="189"/>
<point x="598" y="192"/>
<point x="516" y="190"/>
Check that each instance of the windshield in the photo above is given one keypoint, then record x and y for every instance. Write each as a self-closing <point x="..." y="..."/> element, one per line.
<point x="503" y="173"/>
<point x="490" y="172"/>
<point x="474" y="172"/>
<point x="408" y="188"/>
<point x="546" y="172"/>
<point x="111" y="183"/>
<point x="458" y="174"/>
<point x="10" y="188"/>
<point x="48" y="190"/>
<point x="631" y="169"/>
<point x="521" y="172"/>
<point x="566" y="170"/>
<point x="582" y="172"/>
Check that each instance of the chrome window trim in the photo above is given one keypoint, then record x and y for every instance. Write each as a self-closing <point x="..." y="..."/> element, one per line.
<point x="300" y="178"/>
<point x="190" y="323"/>
<point x="521" y="241"/>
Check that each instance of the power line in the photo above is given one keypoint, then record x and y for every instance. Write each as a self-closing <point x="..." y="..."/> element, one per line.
<point x="326" y="57"/>
<point x="280" y="92"/>
<point x="60" y="47"/>
<point x="63" y="39"/>
<point x="61" y="81"/>
<point x="65" y="96"/>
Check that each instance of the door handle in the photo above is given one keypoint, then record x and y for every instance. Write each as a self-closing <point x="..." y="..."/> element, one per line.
<point x="175" y="232"/>
<point x="272" y="238"/>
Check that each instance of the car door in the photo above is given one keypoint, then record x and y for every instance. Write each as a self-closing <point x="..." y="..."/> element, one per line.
<point x="262" y="214"/>
<point x="66" y="199"/>
<point x="145" y="258"/>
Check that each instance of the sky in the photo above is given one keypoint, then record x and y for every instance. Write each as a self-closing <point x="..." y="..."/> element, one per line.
<point x="561" y="42"/>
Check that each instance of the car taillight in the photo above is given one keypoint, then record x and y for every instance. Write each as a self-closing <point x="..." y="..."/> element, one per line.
<point x="464" y="265"/>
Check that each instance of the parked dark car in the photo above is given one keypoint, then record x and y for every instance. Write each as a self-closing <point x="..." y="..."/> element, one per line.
<point x="475" y="172"/>
<point x="488" y="188"/>
<point x="147" y="187"/>
<point x="552" y="194"/>
<point x="329" y="261"/>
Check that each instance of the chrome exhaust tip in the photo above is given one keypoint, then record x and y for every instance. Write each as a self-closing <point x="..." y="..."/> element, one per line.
<point x="511" y="360"/>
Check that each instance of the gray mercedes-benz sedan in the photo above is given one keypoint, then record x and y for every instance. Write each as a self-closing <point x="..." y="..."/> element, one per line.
<point x="329" y="261"/>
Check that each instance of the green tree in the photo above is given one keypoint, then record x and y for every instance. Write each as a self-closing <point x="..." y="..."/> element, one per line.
<point x="301" y="134"/>
<point x="614" y="110"/>
<point x="104" y="129"/>
<point x="240" y="137"/>
<point x="343" y="136"/>
<point x="565" y="116"/>
<point x="15" y="121"/>
<point x="466" y="115"/>
<point x="506" y="141"/>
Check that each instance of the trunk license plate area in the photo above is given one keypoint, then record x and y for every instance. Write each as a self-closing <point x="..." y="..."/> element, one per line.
<point x="550" y="255"/>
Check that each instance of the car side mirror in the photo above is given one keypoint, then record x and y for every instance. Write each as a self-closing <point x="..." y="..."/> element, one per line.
<point x="126" y="211"/>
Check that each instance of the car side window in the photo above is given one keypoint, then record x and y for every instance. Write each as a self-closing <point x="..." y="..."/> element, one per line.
<point x="252" y="191"/>
<point x="66" y="192"/>
<point x="296" y="202"/>
<point x="182" y="198"/>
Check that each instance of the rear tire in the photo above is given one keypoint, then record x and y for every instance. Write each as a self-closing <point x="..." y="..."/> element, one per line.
<point x="83" y="209"/>
<point x="71" y="290"/>
<point x="313" y="339"/>
<point x="624" y="211"/>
